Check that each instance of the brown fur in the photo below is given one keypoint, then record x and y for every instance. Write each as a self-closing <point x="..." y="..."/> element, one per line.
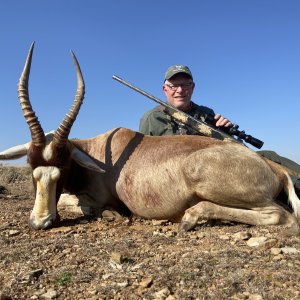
<point x="176" y="177"/>
<point x="160" y="177"/>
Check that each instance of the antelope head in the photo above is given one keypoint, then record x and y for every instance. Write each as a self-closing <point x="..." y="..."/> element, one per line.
<point x="48" y="155"/>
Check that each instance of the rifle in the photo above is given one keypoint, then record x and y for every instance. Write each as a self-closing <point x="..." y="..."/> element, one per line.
<point x="196" y="124"/>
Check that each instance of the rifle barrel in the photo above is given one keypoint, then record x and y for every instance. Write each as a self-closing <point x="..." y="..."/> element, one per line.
<point x="143" y="92"/>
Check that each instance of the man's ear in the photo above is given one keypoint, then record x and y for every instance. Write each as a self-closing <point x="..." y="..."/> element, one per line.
<point x="164" y="88"/>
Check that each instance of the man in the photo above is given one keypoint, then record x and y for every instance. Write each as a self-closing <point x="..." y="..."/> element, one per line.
<point x="178" y="87"/>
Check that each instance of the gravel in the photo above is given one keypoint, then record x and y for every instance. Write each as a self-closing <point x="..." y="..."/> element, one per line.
<point x="133" y="258"/>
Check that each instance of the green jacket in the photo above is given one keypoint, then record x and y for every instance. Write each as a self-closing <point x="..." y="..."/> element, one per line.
<point x="156" y="122"/>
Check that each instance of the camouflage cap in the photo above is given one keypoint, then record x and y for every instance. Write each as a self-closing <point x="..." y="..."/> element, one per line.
<point x="173" y="70"/>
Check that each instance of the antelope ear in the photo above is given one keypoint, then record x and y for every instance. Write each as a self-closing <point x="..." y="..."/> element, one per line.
<point x="21" y="150"/>
<point x="84" y="160"/>
<point x="15" y="152"/>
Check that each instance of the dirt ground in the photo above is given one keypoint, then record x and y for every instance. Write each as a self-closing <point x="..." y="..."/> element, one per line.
<point x="131" y="258"/>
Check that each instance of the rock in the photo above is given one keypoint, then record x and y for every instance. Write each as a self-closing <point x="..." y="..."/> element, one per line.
<point x="242" y="235"/>
<point x="200" y="235"/>
<point x="256" y="241"/>
<point x="123" y="284"/>
<point x="117" y="257"/>
<point x="159" y="222"/>
<point x="106" y="276"/>
<point x="13" y="232"/>
<point x="171" y="233"/>
<point x="93" y="292"/>
<point x="162" y="294"/>
<point x="278" y="257"/>
<point x="255" y="297"/>
<point x="275" y="251"/>
<point x="50" y="294"/>
<point x="157" y="233"/>
<point x="268" y="244"/>
<point x="262" y="242"/>
<point x="145" y="283"/>
<point x="224" y="237"/>
<point x="289" y="250"/>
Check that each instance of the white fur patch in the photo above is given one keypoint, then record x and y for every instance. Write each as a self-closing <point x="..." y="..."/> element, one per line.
<point x="47" y="153"/>
<point x="44" y="209"/>
<point x="46" y="175"/>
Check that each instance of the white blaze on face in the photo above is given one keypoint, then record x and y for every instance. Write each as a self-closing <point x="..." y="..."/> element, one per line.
<point x="47" y="152"/>
<point x="44" y="210"/>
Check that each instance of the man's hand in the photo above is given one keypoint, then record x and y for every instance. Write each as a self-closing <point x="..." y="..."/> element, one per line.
<point x="222" y="122"/>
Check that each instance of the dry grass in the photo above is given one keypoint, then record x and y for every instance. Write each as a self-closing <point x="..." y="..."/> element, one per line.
<point x="15" y="181"/>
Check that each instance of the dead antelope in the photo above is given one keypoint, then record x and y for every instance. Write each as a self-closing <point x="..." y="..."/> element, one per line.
<point x="180" y="178"/>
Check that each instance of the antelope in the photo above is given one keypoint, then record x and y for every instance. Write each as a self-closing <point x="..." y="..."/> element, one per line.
<point x="183" y="179"/>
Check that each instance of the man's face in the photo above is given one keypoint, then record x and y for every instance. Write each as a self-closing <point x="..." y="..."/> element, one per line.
<point x="178" y="90"/>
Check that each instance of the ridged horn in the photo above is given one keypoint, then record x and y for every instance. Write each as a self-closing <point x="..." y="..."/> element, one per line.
<point x="61" y="134"/>
<point x="37" y="133"/>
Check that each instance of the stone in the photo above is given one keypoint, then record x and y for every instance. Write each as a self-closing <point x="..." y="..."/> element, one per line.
<point x="13" y="232"/>
<point x="289" y="250"/>
<point x="275" y="251"/>
<point x="256" y="241"/>
<point x="145" y="283"/>
<point x="50" y="294"/>
<point x="268" y="244"/>
<point x="117" y="257"/>
<point x="162" y="294"/>
<point x="159" y="222"/>
<point x="242" y="235"/>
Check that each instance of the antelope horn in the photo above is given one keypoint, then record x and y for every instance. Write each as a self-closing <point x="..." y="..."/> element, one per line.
<point x="61" y="134"/>
<point x="37" y="133"/>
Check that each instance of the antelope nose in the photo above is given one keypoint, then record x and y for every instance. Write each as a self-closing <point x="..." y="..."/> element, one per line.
<point x="46" y="223"/>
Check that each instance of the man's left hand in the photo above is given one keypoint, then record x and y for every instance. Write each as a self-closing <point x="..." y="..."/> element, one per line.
<point x="222" y="121"/>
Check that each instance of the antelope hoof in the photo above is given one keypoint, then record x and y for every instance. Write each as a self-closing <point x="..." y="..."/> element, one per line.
<point x="184" y="226"/>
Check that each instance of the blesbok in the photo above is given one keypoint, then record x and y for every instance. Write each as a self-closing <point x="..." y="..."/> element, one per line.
<point x="179" y="178"/>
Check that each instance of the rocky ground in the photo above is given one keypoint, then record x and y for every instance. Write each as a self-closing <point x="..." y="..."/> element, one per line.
<point x="138" y="259"/>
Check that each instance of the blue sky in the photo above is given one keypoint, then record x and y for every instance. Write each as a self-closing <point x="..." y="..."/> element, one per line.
<point x="244" y="55"/>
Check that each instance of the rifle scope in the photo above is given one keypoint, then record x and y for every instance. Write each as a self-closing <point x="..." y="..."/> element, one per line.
<point x="234" y="131"/>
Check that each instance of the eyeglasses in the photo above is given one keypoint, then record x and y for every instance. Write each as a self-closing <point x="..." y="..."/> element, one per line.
<point x="184" y="86"/>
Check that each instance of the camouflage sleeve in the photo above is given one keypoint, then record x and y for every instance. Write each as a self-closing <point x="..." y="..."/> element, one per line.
<point x="155" y="122"/>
